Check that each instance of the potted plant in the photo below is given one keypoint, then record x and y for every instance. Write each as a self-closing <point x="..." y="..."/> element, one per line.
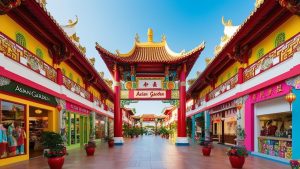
<point x="54" y="149"/>
<point x="110" y="141"/>
<point x="295" y="164"/>
<point x="237" y="156"/>
<point x="206" y="147"/>
<point x="90" y="148"/>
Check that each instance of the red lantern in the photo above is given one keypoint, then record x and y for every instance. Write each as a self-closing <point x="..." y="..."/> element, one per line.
<point x="290" y="97"/>
<point x="59" y="107"/>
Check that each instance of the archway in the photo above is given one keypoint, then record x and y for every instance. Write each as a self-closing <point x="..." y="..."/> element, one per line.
<point x="150" y="71"/>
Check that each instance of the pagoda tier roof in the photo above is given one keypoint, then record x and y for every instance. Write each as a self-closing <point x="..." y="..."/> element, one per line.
<point x="263" y="20"/>
<point x="153" y="53"/>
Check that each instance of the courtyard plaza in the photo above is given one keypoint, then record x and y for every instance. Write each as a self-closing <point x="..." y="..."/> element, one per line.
<point x="149" y="152"/>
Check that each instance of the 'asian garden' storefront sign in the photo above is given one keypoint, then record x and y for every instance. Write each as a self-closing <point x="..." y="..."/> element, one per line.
<point x="16" y="88"/>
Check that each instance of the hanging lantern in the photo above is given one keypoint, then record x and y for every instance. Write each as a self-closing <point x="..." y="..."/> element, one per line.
<point x="290" y="97"/>
<point x="239" y="106"/>
<point x="59" y="107"/>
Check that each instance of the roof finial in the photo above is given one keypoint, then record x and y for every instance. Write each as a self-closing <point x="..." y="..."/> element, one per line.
<point x="150" y="35"/>
<point x="137" y="37"/>
<point x="228" y="23"/>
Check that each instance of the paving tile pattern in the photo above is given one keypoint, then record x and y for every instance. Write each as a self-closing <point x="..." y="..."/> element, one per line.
<point x="149" y="152"/>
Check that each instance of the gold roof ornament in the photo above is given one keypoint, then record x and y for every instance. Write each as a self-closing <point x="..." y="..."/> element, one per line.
<point x="198" y="73"/>
<point x="101" y="74"/>
<point x="72" y="24"/>
<point x="75" y="37"/>
<point x="92" y="60"/>
<point x="226" y="23"/>
<point x="82" y="49"/>
<point x="150" y="35"/>
<point x="43" y="3"/>
<point x="258" y="3"/>
<point x="137" y="37"/>
<point x="163" y="38"/>
<point x="207" y="61"/>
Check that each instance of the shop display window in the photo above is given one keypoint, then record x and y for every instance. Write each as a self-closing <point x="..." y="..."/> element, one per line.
<point x="276" y="135"/>
<point x="99" y="127"/>
<point x="12" y="129"/>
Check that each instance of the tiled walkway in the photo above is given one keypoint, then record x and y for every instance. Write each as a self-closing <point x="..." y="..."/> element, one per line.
<point x="149" y="152"/>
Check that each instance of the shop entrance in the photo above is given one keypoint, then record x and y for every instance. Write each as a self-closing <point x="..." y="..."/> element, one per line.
<point x="77" y="129"/>
<point x="38" y="122"/>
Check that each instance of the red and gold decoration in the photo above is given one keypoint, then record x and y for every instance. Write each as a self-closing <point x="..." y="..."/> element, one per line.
<point x="239" y="106"/>
<point x="292" y="5"/>
<point x="7" y="5"/>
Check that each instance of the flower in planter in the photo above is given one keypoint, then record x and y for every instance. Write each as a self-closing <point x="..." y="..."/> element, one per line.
<point x="206" y="143"/>
<point x="90" y="144"/>
<point x="295" y="164"/>
<point x="237" y="151"/>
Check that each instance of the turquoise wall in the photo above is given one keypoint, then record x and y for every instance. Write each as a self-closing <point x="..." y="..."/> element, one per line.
<point x="296" y="125"/>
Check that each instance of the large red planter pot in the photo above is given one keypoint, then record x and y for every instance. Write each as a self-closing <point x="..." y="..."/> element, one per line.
<point x="90" y="151"/>
<point x="206" y="151"/>
<point x="237" y="161"/>
<point x="111" y="143"/>
<point x="56" y="162"/>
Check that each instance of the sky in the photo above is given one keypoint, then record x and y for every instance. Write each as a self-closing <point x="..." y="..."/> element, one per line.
<point x="114" y="23"/>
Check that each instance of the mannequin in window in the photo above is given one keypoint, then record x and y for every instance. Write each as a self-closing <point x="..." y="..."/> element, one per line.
<point x="271" y="128"/>
<point x="11" y="139"/>
<point x="3" y="141"/>
<point x="20" y="140"/>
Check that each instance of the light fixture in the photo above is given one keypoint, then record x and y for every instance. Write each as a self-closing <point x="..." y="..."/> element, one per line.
<point x="290" y="97"/>
<point x="38" y="111"/>
<point x="239" y="106"/>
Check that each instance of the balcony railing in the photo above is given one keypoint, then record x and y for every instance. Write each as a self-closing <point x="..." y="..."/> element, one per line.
<point x="273" y="58"/>
<point x="23" y="56"/>
<point x="74" y="87"/>
<point x="224" y="87"/>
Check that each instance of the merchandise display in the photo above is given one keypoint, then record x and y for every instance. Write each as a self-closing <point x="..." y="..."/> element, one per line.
<point x="12" y="133"/>
<point x="276" y="135"/>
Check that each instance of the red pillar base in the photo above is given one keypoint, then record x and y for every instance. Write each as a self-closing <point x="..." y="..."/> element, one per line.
<point x="182" y="141"/>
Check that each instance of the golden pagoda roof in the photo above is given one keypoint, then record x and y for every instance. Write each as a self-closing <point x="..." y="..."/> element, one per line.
<point x="149" y="52"/>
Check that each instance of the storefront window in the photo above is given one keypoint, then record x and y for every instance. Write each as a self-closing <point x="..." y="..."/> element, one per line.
<point x="12" y="129"/>
<point x="276" y="135"/>
<point x="100" y="126"/>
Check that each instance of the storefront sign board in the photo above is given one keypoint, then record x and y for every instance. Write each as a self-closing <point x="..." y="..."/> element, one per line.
<point x="10" y="86"/>
<point x="77" y="109"/>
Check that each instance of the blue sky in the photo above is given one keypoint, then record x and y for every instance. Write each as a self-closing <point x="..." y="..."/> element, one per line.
<point x="114" y="23"/>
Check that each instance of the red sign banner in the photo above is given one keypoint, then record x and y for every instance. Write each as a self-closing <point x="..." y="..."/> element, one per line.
<point x="77" y="109"/>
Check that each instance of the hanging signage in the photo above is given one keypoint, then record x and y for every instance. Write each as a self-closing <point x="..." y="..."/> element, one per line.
<point x="270" y="92"/>
<point x="149" y="83"/>
<point x="77" y="109"/>
<point x="16" y="88"/>
<point x="149" y="94"/>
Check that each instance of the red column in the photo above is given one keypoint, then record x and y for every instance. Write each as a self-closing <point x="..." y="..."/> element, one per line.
<point x="182" y="104"/>
<point x="241" y="75"/>
<point x="59" y="77"/>
<point x="117" y="110"/>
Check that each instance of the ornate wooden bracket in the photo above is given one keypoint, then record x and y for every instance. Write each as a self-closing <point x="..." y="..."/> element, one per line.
<point x="60" y="54"/>
<point x="240" y="54"/>
<point x="7" y="5"/>
<point x="292" y="5"/>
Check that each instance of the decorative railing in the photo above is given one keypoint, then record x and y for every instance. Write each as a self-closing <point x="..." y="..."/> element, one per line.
<point x="273" y="58"/>
<point x="23" y="56"/>
<point x="224" y="87"/>
<point x="74" y="87"/>
<point x="200" y="102"/>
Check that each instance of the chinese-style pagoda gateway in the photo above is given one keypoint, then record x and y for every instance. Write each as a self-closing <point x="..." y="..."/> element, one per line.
<point x="150" y="71"/>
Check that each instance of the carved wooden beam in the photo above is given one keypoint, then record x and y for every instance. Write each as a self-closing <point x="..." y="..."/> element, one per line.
<point x="292" y="5"/>
<point x="7" y="5"/>
<point x="60" y="54"/>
